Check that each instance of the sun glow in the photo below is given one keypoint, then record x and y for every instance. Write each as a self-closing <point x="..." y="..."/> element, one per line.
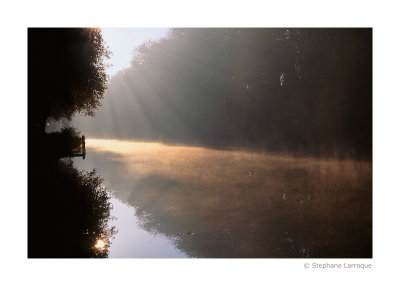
<point x="100" y="244"/>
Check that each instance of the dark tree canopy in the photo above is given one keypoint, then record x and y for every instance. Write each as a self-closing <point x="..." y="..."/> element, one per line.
<point x="66" y="72"/>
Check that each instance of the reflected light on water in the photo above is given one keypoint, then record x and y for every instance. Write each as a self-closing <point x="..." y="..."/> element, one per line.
<point x="127" y="146"/>
<point x="100" y="244"/>
<point x="239" y="203"/>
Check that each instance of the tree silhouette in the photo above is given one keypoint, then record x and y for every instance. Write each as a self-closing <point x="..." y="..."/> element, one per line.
<point x="69" y="211"/>
<point x="66" y="72"/>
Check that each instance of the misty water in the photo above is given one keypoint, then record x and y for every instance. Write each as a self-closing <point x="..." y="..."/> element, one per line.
<point x="186" y="201"/>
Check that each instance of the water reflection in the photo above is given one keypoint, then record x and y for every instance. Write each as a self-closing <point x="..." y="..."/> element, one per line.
<point x="69" y="212"/>
<point x="213" y="203"/>
<point x="100" y="244"/>
<point x="133" y="241"/>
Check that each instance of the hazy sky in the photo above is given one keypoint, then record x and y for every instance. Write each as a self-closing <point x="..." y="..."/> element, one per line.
<point x="123" y="41"/>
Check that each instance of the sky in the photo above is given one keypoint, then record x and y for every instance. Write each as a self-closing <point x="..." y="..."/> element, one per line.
<point x="123" y="41"/>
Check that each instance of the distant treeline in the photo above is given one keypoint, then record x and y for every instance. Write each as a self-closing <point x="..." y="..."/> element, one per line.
<point x="297" y="90"/>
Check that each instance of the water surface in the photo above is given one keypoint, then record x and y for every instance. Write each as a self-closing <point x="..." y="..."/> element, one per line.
<point x="182" y="201"/>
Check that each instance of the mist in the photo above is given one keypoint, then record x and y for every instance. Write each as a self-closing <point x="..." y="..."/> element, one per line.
<point x="295" y="90"/>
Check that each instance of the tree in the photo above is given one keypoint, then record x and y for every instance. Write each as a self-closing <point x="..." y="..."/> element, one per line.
<point x="69" y="212"/>
<point x="66" y="72"/>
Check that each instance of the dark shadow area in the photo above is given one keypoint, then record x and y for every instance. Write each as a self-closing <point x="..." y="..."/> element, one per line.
<point x="68" y="211"/>
<point x="66" y="143"/>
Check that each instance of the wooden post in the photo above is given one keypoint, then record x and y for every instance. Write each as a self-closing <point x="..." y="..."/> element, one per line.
<point x="83" y="142"/>
<point x="83" y="147"/>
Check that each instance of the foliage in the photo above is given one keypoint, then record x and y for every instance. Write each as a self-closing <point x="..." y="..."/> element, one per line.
<point x="62" y="143"/>
<point x="69" y="211"/>
<point x="66" y="71"/>
<point x="72" y="137"/>
<point x="93" y="207"/>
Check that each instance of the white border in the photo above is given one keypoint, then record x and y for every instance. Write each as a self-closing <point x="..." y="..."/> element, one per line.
<point x="18" y="15"/>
